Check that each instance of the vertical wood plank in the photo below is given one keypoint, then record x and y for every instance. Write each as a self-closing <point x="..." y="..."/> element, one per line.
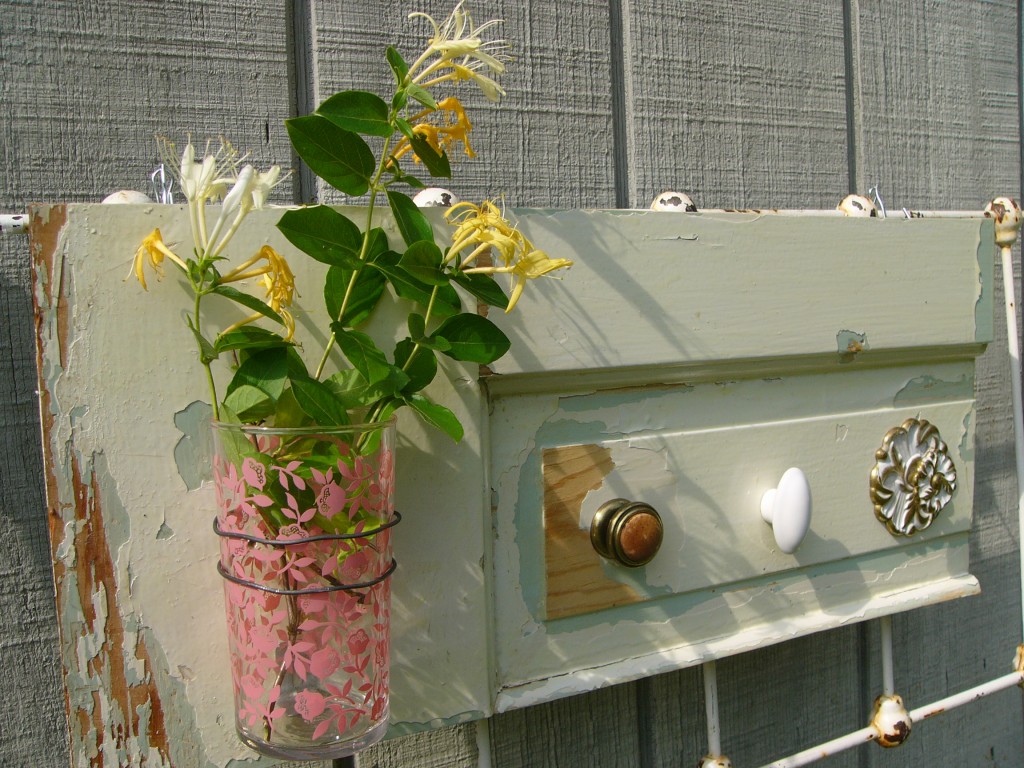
<point x="744" y="109"/>
<point x="549" y="141"/>
<point x="453" y="747"/>
<point x="29" y="661"/>
<point x="940" y="110"/>
<point x="85" y="86"/>
<point x="596" y="730"/>
<point x="738" y="108"/>
<point x="939" y="101"/>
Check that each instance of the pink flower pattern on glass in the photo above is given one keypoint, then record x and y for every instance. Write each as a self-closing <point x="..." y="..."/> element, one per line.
<point x="321" y="658"/>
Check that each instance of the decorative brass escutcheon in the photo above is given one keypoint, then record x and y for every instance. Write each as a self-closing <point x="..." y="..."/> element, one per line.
<point x="628" y="532"/>
<point x="913" y="477"/>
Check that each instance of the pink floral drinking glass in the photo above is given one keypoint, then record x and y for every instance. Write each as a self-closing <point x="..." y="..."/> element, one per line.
<point x="305" y="519"/>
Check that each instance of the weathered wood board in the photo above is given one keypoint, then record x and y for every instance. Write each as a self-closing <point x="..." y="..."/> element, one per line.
<point x="140" y="602"/>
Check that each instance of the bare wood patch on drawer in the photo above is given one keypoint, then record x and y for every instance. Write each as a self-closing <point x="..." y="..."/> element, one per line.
<point x="575" y="579"/>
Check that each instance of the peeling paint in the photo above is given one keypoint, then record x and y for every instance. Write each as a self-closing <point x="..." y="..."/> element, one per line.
<point x="849" y="344"/>
<point x="192" y="451"/>
<point x="930" y="389"/>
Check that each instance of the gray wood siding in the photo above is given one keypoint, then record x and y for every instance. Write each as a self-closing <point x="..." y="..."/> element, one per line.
<point x="783" y="103"/>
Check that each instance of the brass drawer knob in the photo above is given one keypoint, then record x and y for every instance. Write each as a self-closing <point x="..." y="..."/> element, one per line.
<point x="628" y="532"/>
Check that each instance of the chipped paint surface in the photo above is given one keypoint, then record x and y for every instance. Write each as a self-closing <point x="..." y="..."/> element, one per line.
<point x="699" y="405"/>
<point x="739" y="391"/>
<point x="140" y="604"/>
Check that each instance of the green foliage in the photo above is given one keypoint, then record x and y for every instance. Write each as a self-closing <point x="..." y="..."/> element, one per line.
<point x="324" y="234"/>
<point x="473" y="338"/>
<point x="359" y="112"/>
<point x="336" y="155"/>
<point x="271" y="382"/>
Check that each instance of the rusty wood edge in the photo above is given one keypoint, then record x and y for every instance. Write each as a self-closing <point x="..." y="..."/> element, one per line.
<point x="94" y="564"/>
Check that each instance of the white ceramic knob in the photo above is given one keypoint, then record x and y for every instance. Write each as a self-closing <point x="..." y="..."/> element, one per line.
<point x="787" y="509"/>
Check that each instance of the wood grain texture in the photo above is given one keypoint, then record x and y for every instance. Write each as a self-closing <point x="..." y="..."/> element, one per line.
<point x="574" y="578"/>
<point x="939" y="103"/>
<point x="86" y="86"/>
<point x="737" y="108"/>
<point x="598" y="730"/>
<point x="549" y="142"/>
<point x="454" y="747"/>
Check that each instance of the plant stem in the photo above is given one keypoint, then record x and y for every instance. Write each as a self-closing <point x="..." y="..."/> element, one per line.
<point x="363" y="251"/>
<point x="209" y="371"/>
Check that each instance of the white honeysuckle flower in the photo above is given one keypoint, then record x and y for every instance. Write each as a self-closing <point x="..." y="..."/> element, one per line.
<point x="460" y="46"/>
<point x="240" y="195"/>
<point x="265" y="182"/>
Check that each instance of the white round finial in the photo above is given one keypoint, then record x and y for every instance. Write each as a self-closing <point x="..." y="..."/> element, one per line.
<point x="857" y="205"/>
<point x="673" y="201"/>
<point x="435" y="197"/>
<point x="126" y="196"/>
<point x="1007" y="215"/>
<point x="891" y="721"/>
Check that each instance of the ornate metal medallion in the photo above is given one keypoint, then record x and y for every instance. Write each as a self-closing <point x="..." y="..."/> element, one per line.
<point x="913" y="478"/>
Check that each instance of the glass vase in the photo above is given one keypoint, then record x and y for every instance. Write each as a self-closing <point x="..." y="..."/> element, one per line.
<point x="305" y="518"/>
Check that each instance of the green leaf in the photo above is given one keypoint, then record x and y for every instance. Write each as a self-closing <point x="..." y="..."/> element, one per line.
<point x="397" y="64"/>
<point x="408" y="287"/>
<point x="352" y="390"/>
<point x="318" y="402"/>
<point x="473" y="338"/>
<point x="362" y="353"/>
<point x="405" y="127"/>
<point x="422" y="95"/>
<point x="339" y="157"/>
<point x="324" y="234"/>
<point x="363" y="298"/>
<point x="422" y="260"/>
<point x="207" y="352"/>
<point x="412" y="181"/>
<point x="257" y="305"/>
<point x="436" y="416"/>
<point x="359" y="112"/>
<point x="250" y="403"/>
<point x="266" y="370"/>
<point x="248" y="337"/>
<point x="436" y="163"/>
<point x="417" y="327"/>
<point x="421" y="369"/>
<point x="410" y="219"/>
<point x="288" y="412"/>
<point x="484" y="287"/>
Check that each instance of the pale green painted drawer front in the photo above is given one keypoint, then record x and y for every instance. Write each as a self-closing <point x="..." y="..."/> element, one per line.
<point x="812" y="373"/>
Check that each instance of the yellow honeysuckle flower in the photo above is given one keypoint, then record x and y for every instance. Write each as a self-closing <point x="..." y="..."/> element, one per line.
<point x="278" y="280"/>
<point x="154" y="250"/>
<point x="484" y="227"/>
<point x="457" y="37"/>
<point x="531" y="265"/>
<point x="276" y="277"/>
<point x="478" y="224"/>
<point x="454" y="127"/>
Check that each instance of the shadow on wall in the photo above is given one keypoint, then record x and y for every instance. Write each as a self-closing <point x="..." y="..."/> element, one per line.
<point x="31" y="664"/>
